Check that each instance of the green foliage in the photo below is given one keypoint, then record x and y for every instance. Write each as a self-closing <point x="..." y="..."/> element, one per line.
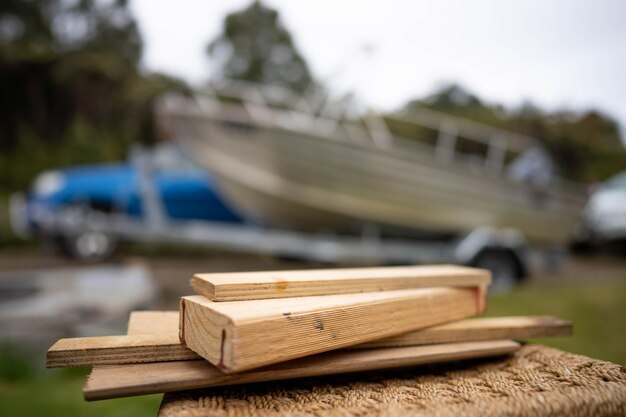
<point x="587" y="146"/>
<point x="71" y="87"/>
<point x="254" y="46"/>
<point x="82" y="143"/>
<point x="44" y="29"/>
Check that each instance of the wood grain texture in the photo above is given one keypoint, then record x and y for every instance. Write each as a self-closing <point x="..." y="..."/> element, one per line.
<point x="478" y="329"/>
<point x="165" y="346"/>
<point x="233" y="286"/>
<point x="115" y="350"/>
<point x="149" y="378"/>
<point x="468" y="330"/>
<point x="153" y="322"/>
<point x="240" y="335"/>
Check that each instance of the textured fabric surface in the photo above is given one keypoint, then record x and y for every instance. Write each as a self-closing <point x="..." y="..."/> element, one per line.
<point x="535" y="381"/>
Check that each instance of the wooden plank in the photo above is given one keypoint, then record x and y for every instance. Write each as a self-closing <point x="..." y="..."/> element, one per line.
<point x="149" y="378"/>
<point x="233" y="286"/>
<point x="468" y="330"/>
<point x="141" y="348"/>
<point x="240" y="335"/>
<point x="115" y="350"/>
<point x="153" y="322"/>
<point x="152" y="336"/>
<point x="478" y="329"/>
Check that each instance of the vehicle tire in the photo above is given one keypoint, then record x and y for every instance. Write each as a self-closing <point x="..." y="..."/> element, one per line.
<point x="89" y="246"/>
<point x="504" y="269"/>
<point x="585" y="242"/>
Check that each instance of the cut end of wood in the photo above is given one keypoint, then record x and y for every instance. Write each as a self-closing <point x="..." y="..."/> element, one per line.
<point x="181" y="324"/>
<point x="203" y="287"/>
<point x="480" y="294"/>
<point x="206" y="331"/>
<point x="112" y="350"/>
<point x="57" y="346"/>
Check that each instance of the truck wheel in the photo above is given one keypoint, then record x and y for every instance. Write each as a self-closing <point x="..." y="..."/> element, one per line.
<point x="503" y="266"/>
<point x="89" y="246"/>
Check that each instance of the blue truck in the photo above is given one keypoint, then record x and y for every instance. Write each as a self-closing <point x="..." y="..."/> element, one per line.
<point x="185" y="193"/>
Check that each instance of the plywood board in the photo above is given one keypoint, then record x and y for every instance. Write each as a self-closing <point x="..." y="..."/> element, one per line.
<point x="240" y="335"/>
<point x="165" y="346"/>
<point x="115" y="350"/>
<point x="149" y="378"/>
<point x="233" y="286"/>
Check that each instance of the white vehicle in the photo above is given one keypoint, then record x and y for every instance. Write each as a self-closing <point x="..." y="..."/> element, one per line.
<point x="605" y="214"/>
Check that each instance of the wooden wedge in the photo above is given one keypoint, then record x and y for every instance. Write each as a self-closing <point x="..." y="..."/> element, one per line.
<point x="149" y="378"/>
<point x="234" y="286"/>
<point x="242" y="335"/>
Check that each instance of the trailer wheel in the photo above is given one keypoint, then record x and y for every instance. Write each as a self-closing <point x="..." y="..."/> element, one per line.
<point x="504" y="267"/>
<point x="89" y="246"/>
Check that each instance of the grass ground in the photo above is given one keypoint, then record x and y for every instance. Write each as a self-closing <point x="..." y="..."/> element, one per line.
<point x="598" y="311"/>
<point x="36" y="392"/>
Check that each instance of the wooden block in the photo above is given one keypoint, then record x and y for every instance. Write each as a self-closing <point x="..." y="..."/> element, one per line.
<point x="241" y="335"/>
<point x="141" y="348"/>
<point x="235" y="286"/>
<point x="149" y="378"/>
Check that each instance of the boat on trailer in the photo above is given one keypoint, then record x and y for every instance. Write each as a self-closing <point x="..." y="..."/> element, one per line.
<point x="284" y="162"/>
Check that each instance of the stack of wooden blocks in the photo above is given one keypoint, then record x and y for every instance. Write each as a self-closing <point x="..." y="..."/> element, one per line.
<point x="262" y="326"/>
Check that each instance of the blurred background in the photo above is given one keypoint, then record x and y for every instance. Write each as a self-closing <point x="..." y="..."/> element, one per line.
<point x="144" y="141"/>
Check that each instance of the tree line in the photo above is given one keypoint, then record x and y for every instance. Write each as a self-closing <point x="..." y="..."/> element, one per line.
<point x="73" y="90"/>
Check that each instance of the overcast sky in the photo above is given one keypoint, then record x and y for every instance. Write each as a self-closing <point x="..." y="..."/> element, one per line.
<point x="556" y="53"/>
